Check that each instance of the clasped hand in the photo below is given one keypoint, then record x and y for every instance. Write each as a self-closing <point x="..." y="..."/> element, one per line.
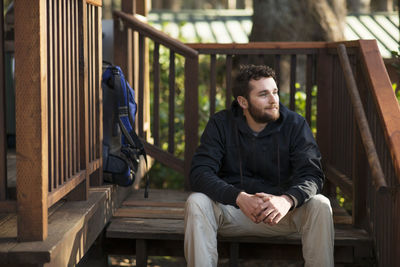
<point x="263" y="207"/>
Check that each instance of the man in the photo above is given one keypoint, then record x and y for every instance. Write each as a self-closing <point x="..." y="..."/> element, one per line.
<point x="257" y="171"/>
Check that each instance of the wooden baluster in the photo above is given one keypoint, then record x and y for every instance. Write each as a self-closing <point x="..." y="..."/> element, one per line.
<point x="92" y="21"/>
<point x="277" y="68"/>
<point x="99" y="93"/>
<point x="191" y="109"/>
<point x="228" y="81"/>
<point x="61" y="90"/>
<point x="141" y="84"/>
<point x="171" y="114"/>
<point x="90" y="84"/>
<point x="81" y="192"/>
<point x="292" y="103"/>
<point x="77" y="87"/>
<point x="156" y="99"/>
<point x="3" y="143"/>
<point x="50" y="71"/>
<point x="213" y="83"/>
<point x="309" y="85"/>
<point x="324" y="111"/>
<point x="73" y="89"/>
<point x="69" y="99"/>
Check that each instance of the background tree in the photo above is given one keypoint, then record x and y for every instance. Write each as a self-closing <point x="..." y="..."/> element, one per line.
<point x="304" y="20"/>
<point x="358" y="6"/>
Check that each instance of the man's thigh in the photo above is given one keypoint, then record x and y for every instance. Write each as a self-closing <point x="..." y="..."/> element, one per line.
<point x="235" y="223"/>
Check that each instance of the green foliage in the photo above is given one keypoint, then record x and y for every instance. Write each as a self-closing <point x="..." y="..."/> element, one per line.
<point x="396" y="91"/>
<point x="344" y="201"/>
<point x="396" y="64"/>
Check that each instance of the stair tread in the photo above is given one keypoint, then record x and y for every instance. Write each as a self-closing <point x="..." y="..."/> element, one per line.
<point x="161" y="217"/>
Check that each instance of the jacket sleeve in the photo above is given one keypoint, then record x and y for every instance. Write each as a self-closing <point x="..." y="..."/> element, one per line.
<point x="206" y="164"/>
<point x="305" y="158"/>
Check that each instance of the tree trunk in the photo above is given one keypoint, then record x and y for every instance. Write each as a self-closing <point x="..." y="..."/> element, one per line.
<point x="304" y="20"/>
<point x="382" y="5"/>
<point x="358" y="6"/>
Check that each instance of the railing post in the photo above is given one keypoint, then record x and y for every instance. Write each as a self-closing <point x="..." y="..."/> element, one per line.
<point x="324" y="109"/>
<point x="31" y="118"/>
<point x="123" y="40"/>
<point x="191" y="123"/>
<point x="81" y="192"/>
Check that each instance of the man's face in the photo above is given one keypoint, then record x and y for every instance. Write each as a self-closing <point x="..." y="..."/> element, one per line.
<point x="263" y="100"/>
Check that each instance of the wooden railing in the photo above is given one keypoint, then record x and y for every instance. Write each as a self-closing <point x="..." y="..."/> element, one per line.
<point x="128" y="28"/>
<point x="349" y="156"/>
<point x="369" y="178"/>
<point x="58" y="106"/>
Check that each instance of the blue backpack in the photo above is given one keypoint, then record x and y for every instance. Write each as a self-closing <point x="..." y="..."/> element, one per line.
<point x="122" y="148"/>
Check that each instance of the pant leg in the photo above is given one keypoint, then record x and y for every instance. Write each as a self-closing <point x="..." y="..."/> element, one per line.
<point x="202" y="218"/>
<point x="315" y="224"/>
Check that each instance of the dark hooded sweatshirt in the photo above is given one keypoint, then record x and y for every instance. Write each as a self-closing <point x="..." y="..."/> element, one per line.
<point x="282" y="159"/>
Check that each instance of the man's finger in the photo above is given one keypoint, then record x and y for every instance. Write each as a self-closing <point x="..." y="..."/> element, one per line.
<point x="263" y="195"/>
<point x="264" y="215"/>
<point x="271" y="217"/>
<point x="277" y="218"/>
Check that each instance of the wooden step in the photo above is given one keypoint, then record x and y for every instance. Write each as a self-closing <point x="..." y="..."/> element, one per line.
<point x="160" y="217"/>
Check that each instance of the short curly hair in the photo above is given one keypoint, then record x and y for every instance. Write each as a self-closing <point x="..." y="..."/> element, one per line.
<point x="247" y="73"/>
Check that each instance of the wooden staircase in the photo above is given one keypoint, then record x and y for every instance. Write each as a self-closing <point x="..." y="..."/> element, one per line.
<point x="156" y="227"/>
<point x="348" y="102"/>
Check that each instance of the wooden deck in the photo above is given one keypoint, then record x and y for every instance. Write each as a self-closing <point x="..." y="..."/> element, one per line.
<point x="73" y="227"/>
<point x="157" y="226"/>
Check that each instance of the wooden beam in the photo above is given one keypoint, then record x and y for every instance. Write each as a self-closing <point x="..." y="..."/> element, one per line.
<point x="98" y="3"/>
<point x="191" y="110"/>
<point x="83" y="94"/>
<point x="31" y="118"/>
<point x="142" y="7"/>
<point x="362" y="122"/>
<point x="99" y="70"/>
<point x="385" y="99"/>
<point x="339" y="179"/>
<point x="3" y="130"/>
<point x="324" y="108"/>
<point x="261" y="45"/>
<point x="66" y="188"/>
<point x="9" y="206"/>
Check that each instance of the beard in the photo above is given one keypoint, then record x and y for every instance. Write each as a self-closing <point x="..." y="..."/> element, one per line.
<point x="259" y="115"/>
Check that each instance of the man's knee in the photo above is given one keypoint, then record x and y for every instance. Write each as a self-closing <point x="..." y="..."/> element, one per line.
<point x="197" y="202"/>
<point x="320" y="203"/>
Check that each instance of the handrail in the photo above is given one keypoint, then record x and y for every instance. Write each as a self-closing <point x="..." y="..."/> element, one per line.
<point x="156" y="35"/>
<point x="259" y="45"/>
<point x="259" y="48"/>
<point x="366" y="136"/>
<point x="387" y="106"/>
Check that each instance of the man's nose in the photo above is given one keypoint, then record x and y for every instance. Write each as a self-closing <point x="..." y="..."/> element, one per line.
<point x="272" y="99"/>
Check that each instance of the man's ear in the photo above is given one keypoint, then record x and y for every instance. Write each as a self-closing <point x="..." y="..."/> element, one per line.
<point x="242" y="102"/>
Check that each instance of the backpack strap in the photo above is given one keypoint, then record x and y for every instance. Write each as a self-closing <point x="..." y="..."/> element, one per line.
<point x="129" y="136"/>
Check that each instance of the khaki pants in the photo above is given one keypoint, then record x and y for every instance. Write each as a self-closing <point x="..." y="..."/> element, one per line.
<point x="204" y="218"/>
